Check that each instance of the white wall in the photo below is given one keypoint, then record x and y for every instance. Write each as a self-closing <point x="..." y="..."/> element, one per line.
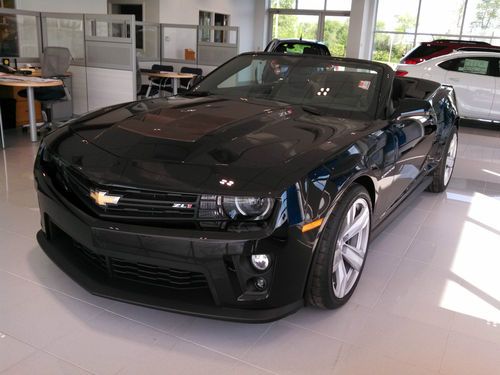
<point x="63" y="6"/>
<point x="186" y="12"/>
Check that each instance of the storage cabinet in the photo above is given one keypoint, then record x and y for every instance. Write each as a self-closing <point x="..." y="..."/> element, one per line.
<point x="22" y="114"/>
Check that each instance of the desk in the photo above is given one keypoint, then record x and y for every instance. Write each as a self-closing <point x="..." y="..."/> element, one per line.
<point x="172" y="75"/>
<point x="21" y="103"/>
<point x="29" y="83"/>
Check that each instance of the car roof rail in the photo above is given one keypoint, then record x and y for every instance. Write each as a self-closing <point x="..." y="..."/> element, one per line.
<point x="479" y="49"/>
<point x="474" y="42"/>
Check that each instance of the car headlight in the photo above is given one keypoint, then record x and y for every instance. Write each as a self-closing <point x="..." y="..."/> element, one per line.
<point x="247" y="207"/>
<point x="235" y="208"/>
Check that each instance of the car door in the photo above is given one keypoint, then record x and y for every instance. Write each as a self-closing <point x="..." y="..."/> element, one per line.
<point x="415" y="139"/>
<point x="406" y="147"/>
<point x="495" y="107"/>
<point x="473" y="84"/>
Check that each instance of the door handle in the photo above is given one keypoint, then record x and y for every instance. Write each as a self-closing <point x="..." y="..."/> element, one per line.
<point x="452" y="79"/>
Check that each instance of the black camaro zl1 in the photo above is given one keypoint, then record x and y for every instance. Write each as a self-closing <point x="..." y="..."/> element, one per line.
<point x="254" y="193"/>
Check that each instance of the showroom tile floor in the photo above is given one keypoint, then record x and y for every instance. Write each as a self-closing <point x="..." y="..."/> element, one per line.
<point x="428" y="301"/>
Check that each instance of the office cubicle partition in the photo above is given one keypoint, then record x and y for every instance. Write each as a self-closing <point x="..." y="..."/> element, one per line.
<point x="110" y="59"/>
<point x="223" y="44"/>
<point x="188" y="45"/>
<point x="20" y="35"/>
<point x="179" y="43"/>
<point x="104" y="49"/>
<point x="148" y="47"/>
<point x="68" y="30"/>
<point x="102" y="46"/>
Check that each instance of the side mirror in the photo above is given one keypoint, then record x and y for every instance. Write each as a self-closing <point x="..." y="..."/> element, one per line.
<point x="413" y="109"/>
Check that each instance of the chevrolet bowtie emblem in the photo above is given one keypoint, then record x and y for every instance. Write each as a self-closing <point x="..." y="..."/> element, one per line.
<point x="102" y="198"/>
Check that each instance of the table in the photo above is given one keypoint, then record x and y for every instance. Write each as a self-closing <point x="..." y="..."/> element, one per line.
<point x="28" y="82"/>
<point x="173" y="75"/>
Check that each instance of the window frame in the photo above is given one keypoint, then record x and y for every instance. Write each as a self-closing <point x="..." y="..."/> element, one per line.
<point x="494" y="40"/>
<point x="305" y="12"/>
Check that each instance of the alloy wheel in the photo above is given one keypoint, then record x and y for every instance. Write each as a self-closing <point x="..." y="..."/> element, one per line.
<point x="351" y="247"/>
<point x="450" y="159"/>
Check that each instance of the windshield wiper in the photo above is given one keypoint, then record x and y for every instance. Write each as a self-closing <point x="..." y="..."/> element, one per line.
<point x="313" y="110"/>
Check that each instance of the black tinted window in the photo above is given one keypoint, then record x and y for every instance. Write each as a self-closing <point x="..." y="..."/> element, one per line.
<point x="425" y="50"/>
<point x="449" y="64"/>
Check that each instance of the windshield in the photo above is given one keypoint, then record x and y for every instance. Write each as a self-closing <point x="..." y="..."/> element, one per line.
<point x="324" y="83"/>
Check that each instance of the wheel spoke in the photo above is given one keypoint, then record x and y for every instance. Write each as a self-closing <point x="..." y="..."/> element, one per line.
<point x="350" y="216"/>
<point x="350" y="247"/>
<point x="353" y="256"/>
<point x="341" y="279"/>
<point x="337" y="258"/>
<point x="450" y="159"/>
<point x="357" y="225"/>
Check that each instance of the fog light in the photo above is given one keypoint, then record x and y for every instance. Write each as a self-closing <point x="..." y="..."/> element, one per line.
<point x="261" y="262"/>
<point x="260" y="283"/>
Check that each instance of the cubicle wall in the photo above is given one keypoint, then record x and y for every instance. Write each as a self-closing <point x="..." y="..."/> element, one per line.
<point x="111" y="59"/>
<point x="21" y="39"/>
<point x="223" y="44"/>
<point x="104" y="67"/>
<point x="148" y="46"/>
<point x="102" y="46"/>
<point x="68" y="30"/>
<point x="198" y="45"/>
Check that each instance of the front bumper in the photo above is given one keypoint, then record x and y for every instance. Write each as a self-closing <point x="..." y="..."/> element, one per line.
<point x="194" y="272"/>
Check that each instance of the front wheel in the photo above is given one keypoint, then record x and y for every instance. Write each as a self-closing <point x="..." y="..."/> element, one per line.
<point x="442" y="174"/>
<point x="341" y="250"/>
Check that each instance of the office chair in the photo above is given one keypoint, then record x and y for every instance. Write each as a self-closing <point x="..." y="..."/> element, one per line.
<point x="185" y="83"/>
<point x="156" y="84"/>
<point x="55" y="62"/>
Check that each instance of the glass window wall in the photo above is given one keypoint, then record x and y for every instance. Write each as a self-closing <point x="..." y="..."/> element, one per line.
<point x="398" y="29"/>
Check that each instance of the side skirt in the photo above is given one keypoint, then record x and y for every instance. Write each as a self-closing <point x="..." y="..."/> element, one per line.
<point x="408" y="199"/>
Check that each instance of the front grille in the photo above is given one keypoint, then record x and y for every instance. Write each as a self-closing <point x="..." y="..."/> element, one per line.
<point x="152" y="205"/>
<point x="140" y="206"/>
<point x="160" y="276"/>
<point x="98" y="261"/>
<point x="134" y="204"/>
<point x="144" y="273"/>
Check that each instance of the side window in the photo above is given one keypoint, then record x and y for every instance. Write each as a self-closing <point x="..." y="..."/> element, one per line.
<point x="470" y="65"/>
<point x="450" y="64"/>
<point x="474" y="66"/>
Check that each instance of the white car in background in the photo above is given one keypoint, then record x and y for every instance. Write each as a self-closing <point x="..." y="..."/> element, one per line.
<point x="475" y="76"/>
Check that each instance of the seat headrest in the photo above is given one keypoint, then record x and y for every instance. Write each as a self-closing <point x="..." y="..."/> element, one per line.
<point x="55" y="61"/>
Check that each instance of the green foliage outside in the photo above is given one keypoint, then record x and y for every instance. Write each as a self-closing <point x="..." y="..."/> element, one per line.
<point x="391" y="47"/>
<point x="487" y="15"/>
<point x="335" y="33"/>
<point x="288" y="26"/>
<point x="335" y="36"/>
<point x="387" y="47"/>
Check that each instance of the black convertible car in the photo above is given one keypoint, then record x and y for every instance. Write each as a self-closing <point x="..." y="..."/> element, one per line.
<point x="256" y="192"/>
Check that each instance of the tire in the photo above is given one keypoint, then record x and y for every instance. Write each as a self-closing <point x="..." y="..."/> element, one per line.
<point x="325" y="291"/>
<point x="442" y="174"/>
